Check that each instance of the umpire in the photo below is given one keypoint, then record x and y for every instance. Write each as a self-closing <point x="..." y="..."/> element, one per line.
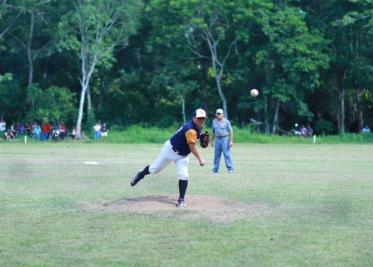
<point x="222" y="132"/>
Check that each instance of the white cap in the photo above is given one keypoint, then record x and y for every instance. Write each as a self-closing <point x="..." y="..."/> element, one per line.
<point x="200" y="113"/>
<point x="219" y="111"/>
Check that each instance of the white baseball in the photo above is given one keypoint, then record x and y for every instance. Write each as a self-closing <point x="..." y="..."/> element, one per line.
<point x="254" y="92"/>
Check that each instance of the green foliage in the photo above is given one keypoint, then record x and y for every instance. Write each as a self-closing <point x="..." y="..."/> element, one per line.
<point x="12" y="98"/>
<point x="323" y="127"/>
<point x="55" y="104"/>
<point x="94" y="28"/>
<point x="137" y="134"/>
<point x="90" y="121"/>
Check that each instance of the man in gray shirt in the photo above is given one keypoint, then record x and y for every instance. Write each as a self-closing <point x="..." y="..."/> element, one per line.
<point x="222" y="132"/>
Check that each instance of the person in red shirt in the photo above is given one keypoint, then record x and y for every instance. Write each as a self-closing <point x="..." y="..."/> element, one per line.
<point x="45" y="131"/>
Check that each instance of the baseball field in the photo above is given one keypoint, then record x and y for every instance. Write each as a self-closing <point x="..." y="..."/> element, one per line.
<point x="70" y="204"/>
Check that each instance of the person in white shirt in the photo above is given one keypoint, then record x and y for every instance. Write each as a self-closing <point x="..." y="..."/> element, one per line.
<point x="97" y="129"/>
<point x="365" y="129"/>
<point x="2" y="125"/>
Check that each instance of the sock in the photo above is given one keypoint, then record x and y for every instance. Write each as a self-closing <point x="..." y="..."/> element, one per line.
<point x="145" y="171"/>
<point x="183" y="184"/>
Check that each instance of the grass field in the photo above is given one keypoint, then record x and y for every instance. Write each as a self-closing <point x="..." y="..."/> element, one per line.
<point x="317" y="207"/>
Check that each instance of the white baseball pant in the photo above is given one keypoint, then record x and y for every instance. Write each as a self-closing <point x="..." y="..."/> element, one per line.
<point x="165" y="157"/>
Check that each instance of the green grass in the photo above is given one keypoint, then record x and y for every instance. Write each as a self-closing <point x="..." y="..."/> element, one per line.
<point x="321" y="214"/>
<point x="137" y="135"/>
<point x="140" y="135"/>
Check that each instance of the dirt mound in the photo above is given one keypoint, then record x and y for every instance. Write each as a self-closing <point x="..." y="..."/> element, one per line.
<point x="198" y="207"/>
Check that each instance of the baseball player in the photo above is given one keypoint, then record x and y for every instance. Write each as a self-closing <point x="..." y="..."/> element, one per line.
<point x="222" y="132"/>
<point x="177" y="150"/>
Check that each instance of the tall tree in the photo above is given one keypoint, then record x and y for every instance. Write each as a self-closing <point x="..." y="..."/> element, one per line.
<point x="347" y="25"/>
<point x="212" y="30"/>
<point x="290" y="59"/>
<point x="33" y="31"/>
<point x="92" y="30"/>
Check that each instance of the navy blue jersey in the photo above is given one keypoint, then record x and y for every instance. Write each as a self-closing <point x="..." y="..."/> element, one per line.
<point x="187" y="134"/>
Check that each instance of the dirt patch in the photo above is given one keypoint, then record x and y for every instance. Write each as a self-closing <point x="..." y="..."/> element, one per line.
<point x="198" y="207"/>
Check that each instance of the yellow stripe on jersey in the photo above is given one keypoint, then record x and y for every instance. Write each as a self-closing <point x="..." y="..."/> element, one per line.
<point x="191" y="136"/>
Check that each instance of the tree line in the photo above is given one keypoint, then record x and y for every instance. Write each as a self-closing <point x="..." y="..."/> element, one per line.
<point x="154" y="61"/>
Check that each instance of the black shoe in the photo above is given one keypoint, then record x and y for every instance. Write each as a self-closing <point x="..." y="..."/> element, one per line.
<point x="140" y="175"/>
<point x="181" y="204"/>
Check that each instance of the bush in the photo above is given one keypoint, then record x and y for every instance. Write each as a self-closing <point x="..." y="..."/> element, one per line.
<point x="323" y="127"/>
<point x="12" y="98"/>
<point x="53" y="104"/>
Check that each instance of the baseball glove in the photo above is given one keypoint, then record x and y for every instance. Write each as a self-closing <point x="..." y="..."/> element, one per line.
<point x="204" y="139"/>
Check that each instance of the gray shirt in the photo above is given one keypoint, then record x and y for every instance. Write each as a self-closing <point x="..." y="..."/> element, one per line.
<point x="221" y="128"/>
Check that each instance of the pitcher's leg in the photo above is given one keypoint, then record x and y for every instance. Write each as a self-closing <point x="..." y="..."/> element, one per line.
<point x="164" y="158"/>
<point x="182" y="166"/>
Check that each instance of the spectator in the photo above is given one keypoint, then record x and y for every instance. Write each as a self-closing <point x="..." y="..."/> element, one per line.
<point x="10" y="134"/>
<point x="303" y="131"/>
<point x="63" y="131"/>
<point x="309" y="130"/>
<point x="104" y="130"/>
<point x="45" y="131"/>
<point x="13" y="131"/>
<point x="55" y="133"/>
<point x="28" y="129"/>
<point x="73" y="133"/>
<point x="36" y="131"/>
<point x="97" y="130"/>
<point x="2" y="125"/>
<point x="21" y="128"/>
<point x="365" y="129"/>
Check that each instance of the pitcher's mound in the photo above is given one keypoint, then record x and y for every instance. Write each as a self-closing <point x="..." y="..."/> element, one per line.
<point x="205" y="207"/>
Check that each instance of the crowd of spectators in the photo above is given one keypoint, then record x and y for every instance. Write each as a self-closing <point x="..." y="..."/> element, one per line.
<point x="46" y="131"/>
<point x="100" y="130"/>
<point x="305" y="131"/>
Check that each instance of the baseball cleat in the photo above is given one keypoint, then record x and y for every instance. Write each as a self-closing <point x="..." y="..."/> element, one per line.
<point x="137" y="178"/>
<point x="181" y="204"/>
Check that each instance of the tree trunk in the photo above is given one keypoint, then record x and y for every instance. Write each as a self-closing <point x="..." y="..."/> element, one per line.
<point x="218" y="68"/>
<point x="205" y="77"/>
<point x="221" y="94"/>
<point x="275" y="119"/>
<point x="81" y="107"/>
<point x="342" y="111"/>
<point x="87" y="70"/>
<point x="89" y="100"/>
<point x="266" y="123"/>
<point x="29" y="50"/>
<point x="360" y="111"/>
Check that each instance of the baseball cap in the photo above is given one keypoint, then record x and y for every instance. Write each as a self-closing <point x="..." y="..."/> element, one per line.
<point x="219" y="111"/>
<point x="199" y="113"/>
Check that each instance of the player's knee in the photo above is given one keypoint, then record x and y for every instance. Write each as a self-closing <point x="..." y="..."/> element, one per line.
<point x="154" y="170"/>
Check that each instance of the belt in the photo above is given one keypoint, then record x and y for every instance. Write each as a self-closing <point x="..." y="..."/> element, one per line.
<point x="176" y="151"/>
<point x="221" y="136"/>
